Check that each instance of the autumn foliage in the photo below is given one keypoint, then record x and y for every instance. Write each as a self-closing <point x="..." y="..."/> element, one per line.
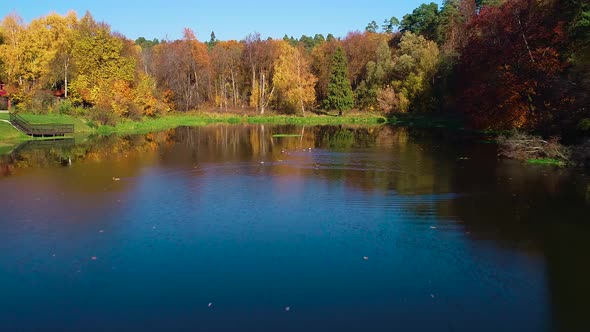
<point x="517" y="87"/>
<point x="503" y="64"/>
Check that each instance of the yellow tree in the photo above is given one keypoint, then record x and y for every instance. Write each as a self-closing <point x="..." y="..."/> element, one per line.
<point x="2" y="70"/>
<point x="13" y="31"/>
<point x="61" y="36"/>
<point x="28" y="52"/>
<point x="293" y="79"/>
<point x="101" y="60"/>
<point x="259" y="56"/>
<point x="37" y="52"/>
<point x="199" y="70"/>
<point x="225" y="59"/>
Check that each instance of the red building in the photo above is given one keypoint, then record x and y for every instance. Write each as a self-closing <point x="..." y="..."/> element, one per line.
<point x="2" y="90"/>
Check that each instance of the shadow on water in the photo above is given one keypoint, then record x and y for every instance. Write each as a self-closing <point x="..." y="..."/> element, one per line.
<point x="61" y="143"/>
<point x="435" y="176"/>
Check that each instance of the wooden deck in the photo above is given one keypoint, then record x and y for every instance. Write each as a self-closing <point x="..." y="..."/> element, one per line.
<point x="40" y="130"/>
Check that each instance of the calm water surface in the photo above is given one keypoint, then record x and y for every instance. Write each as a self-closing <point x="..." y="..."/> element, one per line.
<point x="227" y="228"/>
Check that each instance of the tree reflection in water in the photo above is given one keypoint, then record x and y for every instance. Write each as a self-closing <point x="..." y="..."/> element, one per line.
<point x="535" y="210"/>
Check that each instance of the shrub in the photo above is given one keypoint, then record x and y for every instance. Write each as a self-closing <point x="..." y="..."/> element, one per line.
<point x="103" y="116"/>
<point x="65" y="107"/>
<point x="526" y="147"/>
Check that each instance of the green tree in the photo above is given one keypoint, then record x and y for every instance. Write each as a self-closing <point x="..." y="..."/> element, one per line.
<point x="340" y="95"/>
<point x="212" y="41"/>
<point x="291" y="40"/>
<point x="318" y="39"/>
<point x="308" y="42"/>
<point x="579" y="28"/>
<point x="372" y="27"/>
<point x="145" y="43"/>
<point x="390" y="25"/>
<point x="416" y="64"/>
<point x="482" y="3"/>
<point x="423" y="20"/>
<point x="378" y="76"/>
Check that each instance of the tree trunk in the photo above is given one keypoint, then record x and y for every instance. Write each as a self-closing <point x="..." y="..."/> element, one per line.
<point x="526" y="43"/>
<point x="254" y="84"/>
<point x="66" y="65"/>
<point x="262" y="82"/>
<point x="299" y="85"/>
<point x="198" y="99"/>
<point x="233" y="83"/>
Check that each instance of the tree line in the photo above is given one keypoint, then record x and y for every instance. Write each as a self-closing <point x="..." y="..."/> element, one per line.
<point x="504" y="64"/>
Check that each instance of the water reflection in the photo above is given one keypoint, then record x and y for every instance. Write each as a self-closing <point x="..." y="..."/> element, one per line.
<point x="391" y="178"/>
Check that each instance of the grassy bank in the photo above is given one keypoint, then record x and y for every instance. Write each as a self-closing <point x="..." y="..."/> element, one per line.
<point x="201" y="119"/>
<point x="173" y="120"/>
<point x="547" y="161"/>
<point x="10" y="137"/>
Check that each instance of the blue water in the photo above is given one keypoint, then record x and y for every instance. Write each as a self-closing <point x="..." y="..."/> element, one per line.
<point x="188" y="235"/>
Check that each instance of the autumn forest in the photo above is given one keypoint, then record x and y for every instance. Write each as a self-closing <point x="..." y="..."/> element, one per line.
<point x="295" y="166"/>
<point x="500" y="64"/>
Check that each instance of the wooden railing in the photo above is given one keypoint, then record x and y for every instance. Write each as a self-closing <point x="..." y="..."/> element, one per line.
<point x="40" y="130"/>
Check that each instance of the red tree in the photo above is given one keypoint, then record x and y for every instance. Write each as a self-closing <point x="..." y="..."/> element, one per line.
<point x="510" y="66"/>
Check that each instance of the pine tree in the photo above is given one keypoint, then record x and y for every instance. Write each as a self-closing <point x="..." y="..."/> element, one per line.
<point x="340" y="95"/>
<point x="212" y="41"/>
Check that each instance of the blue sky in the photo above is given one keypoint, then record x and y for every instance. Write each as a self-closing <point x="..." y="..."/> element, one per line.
<point x="229" y="19"/>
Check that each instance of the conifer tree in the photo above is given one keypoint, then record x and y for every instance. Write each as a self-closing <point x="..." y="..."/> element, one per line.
<point x="340" y="95"/>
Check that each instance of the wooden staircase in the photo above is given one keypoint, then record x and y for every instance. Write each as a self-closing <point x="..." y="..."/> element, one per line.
<point x="40" y="130"/>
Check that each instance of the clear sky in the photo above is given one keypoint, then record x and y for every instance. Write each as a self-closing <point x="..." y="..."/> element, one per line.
<point x="229" y="19"/>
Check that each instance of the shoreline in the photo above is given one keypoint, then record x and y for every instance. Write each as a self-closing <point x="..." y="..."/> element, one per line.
<point x="10" y="137"/>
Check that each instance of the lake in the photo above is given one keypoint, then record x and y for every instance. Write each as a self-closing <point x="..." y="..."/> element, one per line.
<point x="286" y="228"/>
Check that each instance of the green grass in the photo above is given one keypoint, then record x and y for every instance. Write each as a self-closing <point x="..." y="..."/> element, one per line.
<point x="158" y="124"/>
<point x="547" y="161"/>
<point x="286" y="135"/>
<point x="370" y="119"/>
<point x="8" y="133"/>
<point x="10" y="137"/>
<point x="79" y="124"/>
<point x="201" y="119"/>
